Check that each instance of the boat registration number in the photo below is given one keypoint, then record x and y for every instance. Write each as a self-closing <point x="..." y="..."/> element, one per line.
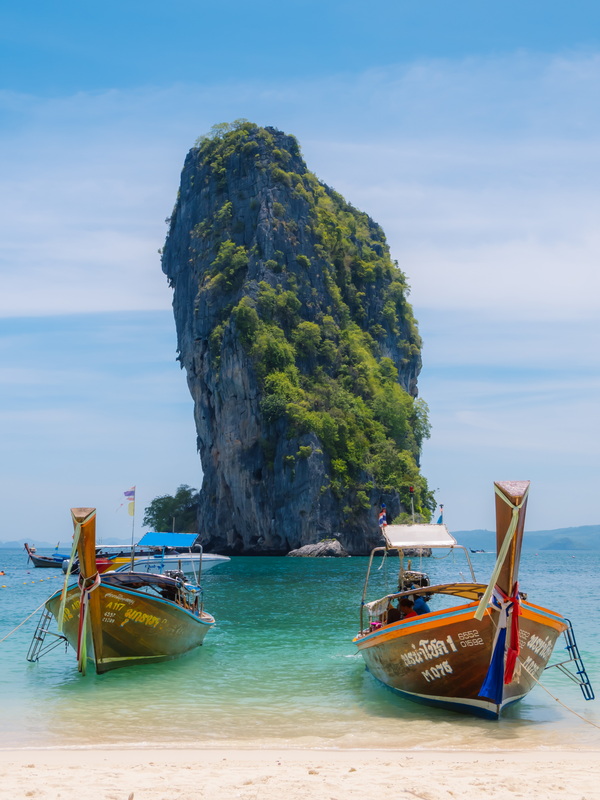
<point x="470" y="638"/>
<point x="437" y="671"/>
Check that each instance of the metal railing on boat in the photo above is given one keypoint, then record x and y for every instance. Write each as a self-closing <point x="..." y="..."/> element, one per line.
<point x="580" y="676"/>
<point x="38" y="648"/>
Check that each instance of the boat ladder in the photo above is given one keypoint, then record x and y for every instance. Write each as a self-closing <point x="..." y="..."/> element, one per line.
<point x="38" y="648"/>
<point x="580" y="675"/>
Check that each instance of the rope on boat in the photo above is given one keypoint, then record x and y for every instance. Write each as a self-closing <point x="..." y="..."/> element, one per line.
<point x="63" y="596"/>
<point x="441" y="558"/>
<point x="84" y="620"/>
<point x="24" y="621"/>
<point x="560" y="702"/>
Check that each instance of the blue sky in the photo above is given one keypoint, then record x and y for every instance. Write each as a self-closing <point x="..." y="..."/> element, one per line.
<point x="469" y="131"/>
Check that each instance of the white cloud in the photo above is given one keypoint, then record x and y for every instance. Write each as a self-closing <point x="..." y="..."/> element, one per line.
<point x="484" y="174"/>
<point x="513" y="232"/>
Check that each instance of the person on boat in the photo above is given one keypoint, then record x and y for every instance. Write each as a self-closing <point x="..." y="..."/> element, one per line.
<point x="406" y="608"/>
<point x="394" y="614"/>
<point x="169" y="593"/>
<point x="420" y="606"/>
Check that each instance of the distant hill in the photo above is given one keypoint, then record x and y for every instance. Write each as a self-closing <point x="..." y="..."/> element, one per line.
<point x="64" y="546"/>
<point x="585" y="537"/>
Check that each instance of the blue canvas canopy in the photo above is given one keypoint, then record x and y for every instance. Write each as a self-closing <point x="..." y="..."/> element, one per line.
<point x="157" y="539"/>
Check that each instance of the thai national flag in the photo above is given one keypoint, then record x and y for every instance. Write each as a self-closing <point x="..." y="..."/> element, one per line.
<point x="382" y="517"/>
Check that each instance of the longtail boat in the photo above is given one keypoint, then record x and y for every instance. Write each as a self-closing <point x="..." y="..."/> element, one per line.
<point x="55" y="561"/>
<point x="118" y="620"/>
<point x="156" y="552"/>
<point x="477" y="656"/>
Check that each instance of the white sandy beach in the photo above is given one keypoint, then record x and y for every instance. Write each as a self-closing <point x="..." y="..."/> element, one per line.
<point x="189" y="774"/>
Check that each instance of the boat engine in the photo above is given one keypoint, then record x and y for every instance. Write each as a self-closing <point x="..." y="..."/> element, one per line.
<point x="410" y="579"/>
<point x="176" y="574"/>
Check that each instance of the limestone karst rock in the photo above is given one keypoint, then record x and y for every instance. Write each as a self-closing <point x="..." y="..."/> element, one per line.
<point x="300" y="348"/>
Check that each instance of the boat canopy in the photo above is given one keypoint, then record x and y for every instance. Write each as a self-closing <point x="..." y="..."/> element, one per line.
<point x="400" y="536"/>
<point x="157" y="539"/>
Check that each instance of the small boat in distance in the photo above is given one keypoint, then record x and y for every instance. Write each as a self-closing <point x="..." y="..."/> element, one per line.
<point x="476" y="656"/>
<point x="55" y="561"/>
<point x="156" y="552"/>
<point x="120" y="620"/>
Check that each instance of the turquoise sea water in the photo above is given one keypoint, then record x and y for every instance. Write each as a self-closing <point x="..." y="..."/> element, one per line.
<point x="280" y="669"/>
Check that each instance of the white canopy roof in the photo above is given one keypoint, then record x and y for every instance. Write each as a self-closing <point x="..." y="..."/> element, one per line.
<point x="418" y="536"/>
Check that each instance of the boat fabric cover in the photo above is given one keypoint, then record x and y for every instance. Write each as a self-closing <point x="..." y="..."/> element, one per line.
<point x="418" y="536"/>
<point x="135" y="580"/>
<point x="158" y="539"/>
<point x="377" y="607"/>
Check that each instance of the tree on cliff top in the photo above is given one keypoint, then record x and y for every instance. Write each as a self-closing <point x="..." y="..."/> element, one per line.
<point x="177" y="512"/>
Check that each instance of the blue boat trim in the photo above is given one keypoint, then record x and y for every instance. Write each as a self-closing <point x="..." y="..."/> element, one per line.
<point x="414" y="622"/>
<point x="447" y="613"/>
<point x="458" y="705"/>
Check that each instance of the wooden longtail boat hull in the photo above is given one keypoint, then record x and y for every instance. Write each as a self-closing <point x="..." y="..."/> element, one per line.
<point x="133" y="628"/>
<point x="128" y="619"/>
<point x="46" y="562"/>
<point x="442" y="658"/>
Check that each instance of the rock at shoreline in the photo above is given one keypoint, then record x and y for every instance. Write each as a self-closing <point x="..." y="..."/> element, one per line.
<point x="328" y="548"/>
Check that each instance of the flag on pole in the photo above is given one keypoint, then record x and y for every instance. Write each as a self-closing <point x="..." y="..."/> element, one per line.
<point x="382" y="517"/>
<point x="130" y="496"/>
<point x="441" y="517"/>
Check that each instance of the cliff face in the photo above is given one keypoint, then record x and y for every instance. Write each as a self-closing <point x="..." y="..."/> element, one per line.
<point x="300" y="350"/>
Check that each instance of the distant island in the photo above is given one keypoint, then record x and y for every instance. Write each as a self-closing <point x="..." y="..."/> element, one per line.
<point x="64" y="544"/>
<point x="584" y="537"/>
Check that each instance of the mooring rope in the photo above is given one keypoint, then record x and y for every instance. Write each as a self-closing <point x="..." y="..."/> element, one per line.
<point x="63" y="595"/>
<point x="441" y="558"/>
<point x="560" y="702"/>
<point x="84" y="620"/>
<point x="24" y="621"/>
